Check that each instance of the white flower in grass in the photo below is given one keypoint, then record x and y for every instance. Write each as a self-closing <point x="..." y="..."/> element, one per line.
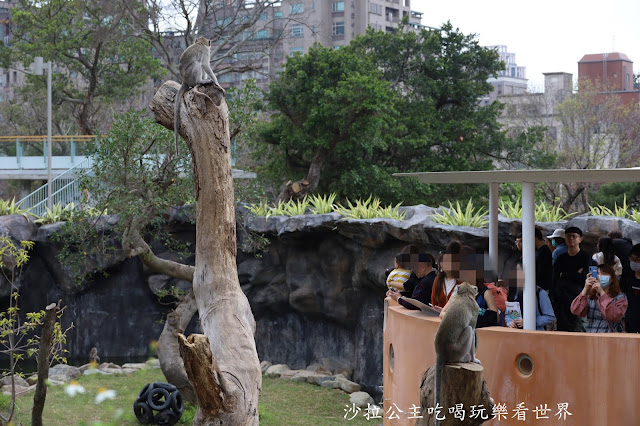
<point x="104" y="393"/>
<point x="73" y="388"/>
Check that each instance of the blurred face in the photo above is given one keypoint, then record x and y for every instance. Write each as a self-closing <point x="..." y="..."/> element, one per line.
<point x="423" y="269"/>
<point x="519" y="243"/>
<point x="516" y="277"/>
<point x="450" y="265"/>
<point x="468" y="275"/>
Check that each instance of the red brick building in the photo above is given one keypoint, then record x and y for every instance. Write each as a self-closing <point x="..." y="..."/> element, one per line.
<point x="612" y="73"/>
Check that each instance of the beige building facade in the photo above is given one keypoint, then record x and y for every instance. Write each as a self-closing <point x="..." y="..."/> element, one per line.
<point x="294" y="26"/>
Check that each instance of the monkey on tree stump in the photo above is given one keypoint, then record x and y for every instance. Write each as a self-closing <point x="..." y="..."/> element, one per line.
<point x="455" y="343"/>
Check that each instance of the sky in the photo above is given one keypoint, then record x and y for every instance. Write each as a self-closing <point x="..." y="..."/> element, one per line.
<point x="545" y="35"/>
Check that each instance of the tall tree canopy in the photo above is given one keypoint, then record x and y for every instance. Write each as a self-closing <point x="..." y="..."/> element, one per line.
<point x="329" y="103"/>
<point x="421" y="97"/>
<point x="97" y="56"/>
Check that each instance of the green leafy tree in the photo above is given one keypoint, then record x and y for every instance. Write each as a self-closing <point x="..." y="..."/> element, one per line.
<point x="326" y="104"/>
<point x="616" y="194"/>
<point x="441" y="74"/>
<point x="421" y="113"/>
<point x="98" y="59"/>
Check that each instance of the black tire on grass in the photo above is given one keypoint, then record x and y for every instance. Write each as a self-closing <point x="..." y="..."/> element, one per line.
<point x="166" y="417"/>
<point x="167" y="386"/>
<point x="143" y="412"/>
<point x="158" y="399"/>
<point x="177" y="403"/>
<point x="142" y="396"/>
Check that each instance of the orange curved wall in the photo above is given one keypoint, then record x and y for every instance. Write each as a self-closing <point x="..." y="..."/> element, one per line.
<point x="598" y="375"/>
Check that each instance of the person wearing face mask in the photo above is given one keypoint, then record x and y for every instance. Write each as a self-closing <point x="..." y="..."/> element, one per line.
<point x="558" y="242"/>
<point x="602" y="302"/>
<point x="631" y="288"/>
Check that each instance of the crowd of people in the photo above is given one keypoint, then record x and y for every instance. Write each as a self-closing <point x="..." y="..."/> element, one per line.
<point x="575" y="290"/>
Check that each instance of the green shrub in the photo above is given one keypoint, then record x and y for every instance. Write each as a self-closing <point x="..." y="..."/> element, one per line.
<point x="260" y="209"/>
<point x="456" y="216"/>
<point x="57" y="214"/>
<point x="315" y="204"/>
<point x="322" y="204"/>
<point x="369" y="209"/>
<point x="10" y="207"/>
<point x="618" y="211"/>
<point x="543" y="211"/>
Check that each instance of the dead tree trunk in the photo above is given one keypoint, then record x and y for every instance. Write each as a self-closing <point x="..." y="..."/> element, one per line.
<point x="461" y="384"/>
<point x="299" y="189"/>
<point x="46" y="340"/>
<point x="177" y="320"/>
<point x="168" y="348"/>
<point x="225" y="314"/>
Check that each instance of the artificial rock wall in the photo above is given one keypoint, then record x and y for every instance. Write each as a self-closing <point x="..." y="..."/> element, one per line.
<point x="316" y="291"/>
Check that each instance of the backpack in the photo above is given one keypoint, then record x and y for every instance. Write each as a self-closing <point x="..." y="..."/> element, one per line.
<point x="499" y="295"/>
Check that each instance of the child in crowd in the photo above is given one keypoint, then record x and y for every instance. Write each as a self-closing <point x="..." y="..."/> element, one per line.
<point x="400" y="275"/>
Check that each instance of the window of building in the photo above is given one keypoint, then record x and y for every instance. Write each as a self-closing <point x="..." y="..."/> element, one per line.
<point x="297" y="8"/>
<point x="338" y="28"/>
<point x="297" y="30"/>
<point x="375" y="8"/>
<point x="264" y="16"/>
<point x="278" y="15"/>
<point x="295" y="50"/>
<point x="338" y="6"/>
<point x="262" y="34"/>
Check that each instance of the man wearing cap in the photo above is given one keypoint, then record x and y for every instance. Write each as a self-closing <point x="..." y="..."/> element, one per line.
<point x="569" y="274"/>
<point x="557" y="240"/>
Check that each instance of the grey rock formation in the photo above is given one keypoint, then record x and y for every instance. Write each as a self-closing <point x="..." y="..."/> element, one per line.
<point x="64" y="373"/>
<point x="277" y="370"/>
<point x="264" y="365"/>
<point x="361" y="399"/>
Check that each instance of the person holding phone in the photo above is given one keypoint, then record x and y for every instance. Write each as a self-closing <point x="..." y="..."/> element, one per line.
<point x="602" y="302"/>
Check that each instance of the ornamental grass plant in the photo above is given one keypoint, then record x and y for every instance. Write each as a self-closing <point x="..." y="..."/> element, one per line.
<point x="544" y="212"/>
<point x="370" y="208"/>
<point x="457" y="216"/>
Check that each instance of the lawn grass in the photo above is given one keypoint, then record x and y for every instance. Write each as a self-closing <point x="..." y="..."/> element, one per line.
<point x="62" y="410"/>
<point x="282" y="402"/>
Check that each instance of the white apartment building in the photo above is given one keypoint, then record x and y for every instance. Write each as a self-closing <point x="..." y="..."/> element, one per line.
<point x="511" y="81"/>
<point x="293" y="26"/>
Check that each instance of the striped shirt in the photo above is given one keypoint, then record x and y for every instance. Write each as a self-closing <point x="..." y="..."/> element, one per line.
<point x="398" y="277"/>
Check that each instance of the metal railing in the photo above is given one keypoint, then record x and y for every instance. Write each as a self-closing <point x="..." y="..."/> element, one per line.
<point x="27" y="146"/>
<point x="65" y="190"/>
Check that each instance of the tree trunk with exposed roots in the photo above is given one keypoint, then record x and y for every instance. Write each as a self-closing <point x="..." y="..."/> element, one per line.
<point x="232" y="374"/>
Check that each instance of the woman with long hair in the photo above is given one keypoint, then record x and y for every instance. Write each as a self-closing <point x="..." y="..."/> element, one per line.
<point x="471" y="270"/>
<point x="602" y="302"/>
<point x="448" y="272"/>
